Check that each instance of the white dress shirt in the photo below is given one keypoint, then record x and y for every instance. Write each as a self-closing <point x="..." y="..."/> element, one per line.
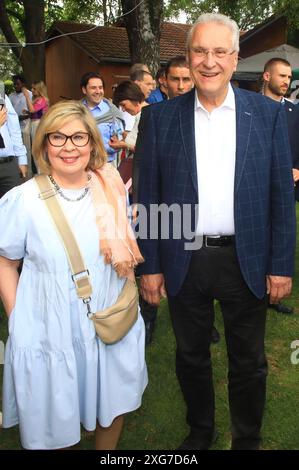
<point x="11" y="133"/>
<point x="215" y="141"/>
<point x="129" y="120"/>
<point x="19" y="103"/>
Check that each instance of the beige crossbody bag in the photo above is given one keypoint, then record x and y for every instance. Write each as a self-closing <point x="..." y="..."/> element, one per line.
<point x="114" y="322"/>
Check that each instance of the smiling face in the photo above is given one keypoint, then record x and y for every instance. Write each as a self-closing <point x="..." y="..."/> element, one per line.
<point x="94" y="92"/>
<point x="131" y="107"/>
<point x="69" y="162"/>
<point x="211" y="75"/>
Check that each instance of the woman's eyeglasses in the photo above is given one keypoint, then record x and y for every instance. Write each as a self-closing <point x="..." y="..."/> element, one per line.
<point x="58" y="139"/>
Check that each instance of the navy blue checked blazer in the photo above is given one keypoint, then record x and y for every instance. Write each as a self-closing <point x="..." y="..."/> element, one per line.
<point x="292" y="114"/>
<point x="264" y="210"/>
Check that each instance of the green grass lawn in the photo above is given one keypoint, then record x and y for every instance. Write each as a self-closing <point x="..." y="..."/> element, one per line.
<point x="160" y="422"/>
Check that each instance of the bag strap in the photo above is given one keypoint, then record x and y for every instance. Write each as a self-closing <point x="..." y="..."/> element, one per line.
<point x="80" y="274"/>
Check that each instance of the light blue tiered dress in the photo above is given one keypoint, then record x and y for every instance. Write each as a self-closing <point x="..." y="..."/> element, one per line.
<point x="57" y="373"/>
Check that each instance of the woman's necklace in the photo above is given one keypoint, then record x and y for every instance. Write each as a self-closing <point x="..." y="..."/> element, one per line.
<point x="59" y="190"/>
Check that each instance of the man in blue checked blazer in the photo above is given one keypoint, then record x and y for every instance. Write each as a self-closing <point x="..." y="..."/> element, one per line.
<point x="222" y="156"/>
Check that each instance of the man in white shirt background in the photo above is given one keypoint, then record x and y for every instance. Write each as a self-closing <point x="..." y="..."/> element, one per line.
<point x="19" y="103"/>
<point x="13" y="158"/>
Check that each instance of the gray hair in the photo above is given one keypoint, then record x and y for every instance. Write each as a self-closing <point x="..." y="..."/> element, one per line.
<point x="220" y="19"/>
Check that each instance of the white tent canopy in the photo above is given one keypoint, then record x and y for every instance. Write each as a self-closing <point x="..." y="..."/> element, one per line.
<point x="255" y="64"/>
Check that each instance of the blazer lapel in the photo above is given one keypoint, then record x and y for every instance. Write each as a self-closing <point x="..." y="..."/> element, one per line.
<point x="186" y="118"/>
<point x="243" y="129"/>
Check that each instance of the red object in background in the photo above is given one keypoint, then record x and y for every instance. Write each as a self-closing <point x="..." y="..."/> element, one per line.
<point x="125" y="169"/>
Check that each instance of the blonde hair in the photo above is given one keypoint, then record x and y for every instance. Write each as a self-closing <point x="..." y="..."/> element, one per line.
<point x="41" y="89"/>
<point x="57" y="116"/>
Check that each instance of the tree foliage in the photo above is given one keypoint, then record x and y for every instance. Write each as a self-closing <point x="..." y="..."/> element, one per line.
<point x="9" y="64"/>
<point x="90" y="11"/>
<point x="25" y="22"/>
<point x="247" y="13"/>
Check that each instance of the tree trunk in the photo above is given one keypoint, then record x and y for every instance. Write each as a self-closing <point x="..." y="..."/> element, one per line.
<point x="32" y="57"/>
<point x="143" y="27"/>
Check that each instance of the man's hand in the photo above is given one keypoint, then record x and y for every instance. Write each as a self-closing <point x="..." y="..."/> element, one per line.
<point x="295" y="175"/>
<point x="23" y="170"/>
<point x="278" y="287"/>
<point x="3" y="116"/>
<point x="117" y="144"/>
<point x="152" y="288"/>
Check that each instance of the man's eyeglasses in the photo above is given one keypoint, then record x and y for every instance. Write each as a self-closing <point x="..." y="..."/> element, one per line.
<point x="58" y="139"/>
<point x="219" y="52"/>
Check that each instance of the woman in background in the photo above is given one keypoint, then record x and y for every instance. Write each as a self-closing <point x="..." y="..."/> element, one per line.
<point x="39" y="104"/>
<point x="131" y="99"/>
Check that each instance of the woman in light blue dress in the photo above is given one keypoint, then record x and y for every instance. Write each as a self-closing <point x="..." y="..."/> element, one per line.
<point x="57" y="372"/>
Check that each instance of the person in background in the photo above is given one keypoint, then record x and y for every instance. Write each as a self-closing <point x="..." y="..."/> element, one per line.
<point x="130" y="99"/>
<point x="108" y="117"/>
<point x="58" y="374"/>
<point x="13" y="156"/>
<point x="222" y="155"/>
<point x="19" y="103"/>
<point x="277" y="78"/>
<point x="137" y="67"/>
<point x="160" y="93"/>
<point x="178" y="78"/>
<point x="144" y="80"/>
<point x="128" y="118"/>
<point x="39" y="104"/>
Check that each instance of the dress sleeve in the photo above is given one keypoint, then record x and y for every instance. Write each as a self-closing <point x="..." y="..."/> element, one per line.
<point x="40" y="104"/>
<point x="12" y="225"/>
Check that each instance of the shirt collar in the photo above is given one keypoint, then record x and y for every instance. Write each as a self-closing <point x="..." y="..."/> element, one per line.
<point x="229" y="101"/>
<point x="282" y="99"/>
<point x="95" y="107"/>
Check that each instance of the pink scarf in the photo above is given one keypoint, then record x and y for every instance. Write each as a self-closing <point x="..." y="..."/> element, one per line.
<point x="117" y="240"/>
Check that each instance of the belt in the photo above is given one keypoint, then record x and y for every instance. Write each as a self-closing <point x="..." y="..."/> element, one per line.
<point x="6" y="159"/>
<point x="217" y="241"/>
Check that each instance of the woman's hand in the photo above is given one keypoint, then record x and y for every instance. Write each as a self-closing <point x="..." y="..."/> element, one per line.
<point x="25" y="92"/>
<point x="28" y="100"/>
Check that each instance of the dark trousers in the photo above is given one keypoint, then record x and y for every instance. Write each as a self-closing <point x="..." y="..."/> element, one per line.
<point x="214" y="273"/>
<point x="148" y="311"/>
<point x="9" y="176"/>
